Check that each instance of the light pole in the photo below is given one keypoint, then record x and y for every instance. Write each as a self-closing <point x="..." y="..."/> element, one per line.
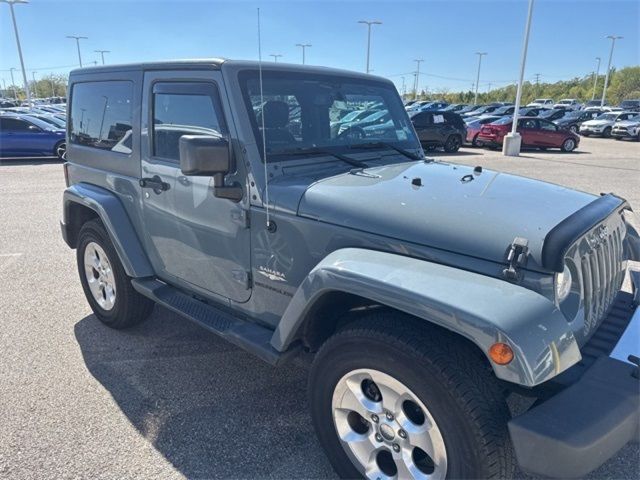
<point x="404" y="88"/>
<point x="53" y="86"/>
<point x="303" y="46"/>
<point x="13" y="84"/>
<point x="480" y="55"/>
<point x="512" y="141"/>
<point x="15" y="29"/>
<point x="606" y="77"/>
<point x="595" y="78"/>
<point x="275" y="56"/>
<point x="368" y="23"/>
<point x="35" y="84"/>
<point x="102" y="52"/>
<point x="415" y="83"/>
<point x="77" y="39"/>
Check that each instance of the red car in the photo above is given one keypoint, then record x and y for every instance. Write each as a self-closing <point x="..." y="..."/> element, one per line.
<point x="535" y="132"/>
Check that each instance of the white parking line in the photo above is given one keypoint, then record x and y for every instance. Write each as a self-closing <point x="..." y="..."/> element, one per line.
<point x="10" y="254"/>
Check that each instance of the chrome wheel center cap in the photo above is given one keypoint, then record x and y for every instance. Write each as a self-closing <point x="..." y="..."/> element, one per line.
<point x="387" y="432"/>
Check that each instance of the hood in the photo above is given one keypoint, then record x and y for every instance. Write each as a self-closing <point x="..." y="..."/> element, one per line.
<point x="628" y="123"/>
<point x="479" y="217"/>
<point x="596" y="123"/>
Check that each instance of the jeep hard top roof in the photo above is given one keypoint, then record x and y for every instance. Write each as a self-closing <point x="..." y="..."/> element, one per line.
<point x="216" y="64"/>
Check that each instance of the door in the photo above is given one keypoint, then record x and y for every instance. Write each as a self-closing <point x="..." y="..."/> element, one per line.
<point x="528" y="129"/>
<point x="423" y="124"/>
<point x="17" y="137"/>
<point x="548" y="134"/>
<point x="199" y="240"/>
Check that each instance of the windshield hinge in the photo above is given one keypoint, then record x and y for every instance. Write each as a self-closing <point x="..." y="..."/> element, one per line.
<point x="517" y="257"/>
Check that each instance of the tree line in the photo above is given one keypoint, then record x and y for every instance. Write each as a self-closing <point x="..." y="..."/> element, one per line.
<point x="623" y="84"/>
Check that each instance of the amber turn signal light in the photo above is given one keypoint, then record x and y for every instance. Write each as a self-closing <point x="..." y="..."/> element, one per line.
<point x="501" y="353"/>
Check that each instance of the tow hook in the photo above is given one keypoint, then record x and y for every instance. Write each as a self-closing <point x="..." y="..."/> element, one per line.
<point x="517" y="257"/>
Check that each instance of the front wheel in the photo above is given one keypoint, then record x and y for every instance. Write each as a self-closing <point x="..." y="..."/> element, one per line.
<point x="607" y="132"/>
<point x="390" y="399"/>
<point x="568" y="145"/>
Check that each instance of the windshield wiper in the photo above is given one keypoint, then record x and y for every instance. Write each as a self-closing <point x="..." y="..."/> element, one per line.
<point x="320" y="151"/>
<point x="401" y="151"/>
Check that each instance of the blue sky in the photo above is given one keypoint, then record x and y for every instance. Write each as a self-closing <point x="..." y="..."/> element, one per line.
<point x="566" y="35"/>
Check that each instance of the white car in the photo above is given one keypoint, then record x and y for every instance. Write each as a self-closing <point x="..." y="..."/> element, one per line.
<point x="542" y="102"/>
<point x="568" y="104"/>
<point x="627" y="129"/>
<point x="603" y="125"/>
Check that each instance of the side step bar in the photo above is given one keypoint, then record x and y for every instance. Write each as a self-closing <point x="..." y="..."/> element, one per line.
<point x="246" y="335"/>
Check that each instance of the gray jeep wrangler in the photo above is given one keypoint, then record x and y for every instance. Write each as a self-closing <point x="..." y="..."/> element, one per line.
<point x="249" y="200"/>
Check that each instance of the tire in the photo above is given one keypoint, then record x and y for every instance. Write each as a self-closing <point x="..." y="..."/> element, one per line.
<point x="568" y="145"/>
<point x="60" y="150"/>
<point x="452" y="387"/>
<point x="452" y="144"/>
<point x="474" y="142"/>
<point x="116" y="304"/>
<point x="606" y="133"/>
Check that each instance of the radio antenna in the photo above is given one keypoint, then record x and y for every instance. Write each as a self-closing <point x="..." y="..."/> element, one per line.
<point x="264" y="137"/>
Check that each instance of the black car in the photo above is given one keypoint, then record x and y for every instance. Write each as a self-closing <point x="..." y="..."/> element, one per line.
<point x="572" y="120"/>
<point x="482" y="110"/>
<point x="630" y="105"/>
<point x="440" y="129"/>
<point x="554" y="114"/>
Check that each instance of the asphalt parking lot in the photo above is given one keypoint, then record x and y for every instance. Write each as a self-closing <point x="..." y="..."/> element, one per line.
<point x="168" y="399"/>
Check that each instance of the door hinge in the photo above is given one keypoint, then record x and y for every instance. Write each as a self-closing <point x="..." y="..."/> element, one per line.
<point x="241" y="217"/>
<point x="243" y="277"/>
<point x="517" y="257"/>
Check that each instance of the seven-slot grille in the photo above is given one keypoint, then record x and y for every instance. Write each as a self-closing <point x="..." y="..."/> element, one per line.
<point x="602" y="274"/>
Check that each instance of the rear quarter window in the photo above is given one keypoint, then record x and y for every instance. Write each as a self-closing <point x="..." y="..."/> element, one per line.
<point x="101" y="115"/>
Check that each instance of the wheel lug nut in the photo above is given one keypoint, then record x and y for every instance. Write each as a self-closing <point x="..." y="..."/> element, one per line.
<point x="396" y="447"/>
<point x="378" y="437"/>
<point x="375" y="418"/>
<point x="402" y="434"/>
<point x="389" y="416"/>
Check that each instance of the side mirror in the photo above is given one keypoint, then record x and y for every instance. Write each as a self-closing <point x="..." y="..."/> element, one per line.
<point x="209" y="156"/>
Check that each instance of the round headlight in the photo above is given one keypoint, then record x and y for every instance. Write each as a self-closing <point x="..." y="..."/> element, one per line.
<point x="563" y="284"/>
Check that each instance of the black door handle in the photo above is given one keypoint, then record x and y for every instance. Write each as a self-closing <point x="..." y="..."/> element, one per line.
<point x="154" y="183"/>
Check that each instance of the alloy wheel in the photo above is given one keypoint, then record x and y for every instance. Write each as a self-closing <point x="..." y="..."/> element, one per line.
<point x="385" y="429"/>
<point x="100" y="276"/>
<point x="61" y="151"/>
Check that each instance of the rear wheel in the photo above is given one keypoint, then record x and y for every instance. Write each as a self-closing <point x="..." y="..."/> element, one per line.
<point x="452" y="144"/>
<point x="391" y="399"/>
<point x="106" y="285"/>
<point x="606" y="133"/>
<point x="568" y="145"/>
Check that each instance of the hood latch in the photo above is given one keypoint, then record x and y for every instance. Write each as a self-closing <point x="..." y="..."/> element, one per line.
<point x="517" y="257"/>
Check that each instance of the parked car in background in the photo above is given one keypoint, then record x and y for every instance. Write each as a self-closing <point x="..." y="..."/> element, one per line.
<point x="630" y="105"/>
<point x="416" y="105"/>
<point x="22" y="136"/>
<point x="629" y="128"/>
<point x="531" y="111"/>
<point x="473" y="129"/>
<point x="468" y="109"/>
<point x="603" y="124"/>
<point x="355" y="128"/>
<point x="430" y="106"/>
<point x="481" y="110"/>
<point x="593" y="104"/>
<point x="572" y="120"/>
<point x="554" y="114"/>
<point x="568" y="104"/>
<point x="541" y="102"/>
<point x="439" y="129"/>
<point x="455" y="107"/>
<point x="535" y="133"/>
<point x="349" y="118"/>
<point x="50" y="119"/>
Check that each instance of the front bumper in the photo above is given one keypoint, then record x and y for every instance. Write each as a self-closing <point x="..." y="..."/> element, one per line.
<point x="580" y="428"/>
<point x="592" y="130"/>
<point x="624" y="133"/>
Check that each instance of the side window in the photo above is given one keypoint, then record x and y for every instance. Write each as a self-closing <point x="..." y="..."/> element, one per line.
<point x="422" y="120"/>
<point x="183" y="109"/>
<point x="528" y="123"/>
<point x="14" y="125"/>
<point x="548" y="126"/>
<point x="101" y="114"/>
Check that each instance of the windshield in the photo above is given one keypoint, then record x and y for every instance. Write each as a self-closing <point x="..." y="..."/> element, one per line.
<point x="300" y="111"/>
<point x="607" y="116"/>
<point x="575" y="114"/>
